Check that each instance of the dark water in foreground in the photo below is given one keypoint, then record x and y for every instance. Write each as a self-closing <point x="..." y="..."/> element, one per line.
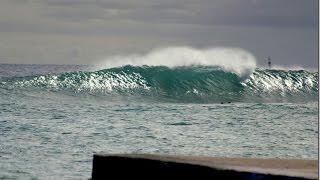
<point x="52" y="123"/>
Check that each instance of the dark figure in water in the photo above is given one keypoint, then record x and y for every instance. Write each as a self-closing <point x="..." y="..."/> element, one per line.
<point x="269" y="62"/>
<point x="223" y="102"/>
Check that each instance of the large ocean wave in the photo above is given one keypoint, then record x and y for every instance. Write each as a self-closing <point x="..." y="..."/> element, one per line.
<point x="179" y="84"/>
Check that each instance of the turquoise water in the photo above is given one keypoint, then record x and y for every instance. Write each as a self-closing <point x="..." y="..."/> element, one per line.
<point x="53" y="118"/>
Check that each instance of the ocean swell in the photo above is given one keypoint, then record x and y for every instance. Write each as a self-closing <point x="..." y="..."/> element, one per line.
<point x="204" y="84"/>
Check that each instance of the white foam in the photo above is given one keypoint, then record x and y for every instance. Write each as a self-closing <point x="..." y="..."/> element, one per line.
<point x="234" y="60"/>
<point x="288" y="68"/>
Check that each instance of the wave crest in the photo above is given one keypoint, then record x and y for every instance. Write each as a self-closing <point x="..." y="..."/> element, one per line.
<point x="234" y="60"/>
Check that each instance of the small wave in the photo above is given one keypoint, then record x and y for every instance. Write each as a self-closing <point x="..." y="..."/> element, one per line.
<point x="283" y="85"/>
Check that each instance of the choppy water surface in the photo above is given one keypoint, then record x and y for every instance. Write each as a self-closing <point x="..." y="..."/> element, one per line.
<point x="50" y="125"/>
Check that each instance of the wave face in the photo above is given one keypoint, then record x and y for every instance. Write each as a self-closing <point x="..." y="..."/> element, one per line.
<point x="202" y="84"/>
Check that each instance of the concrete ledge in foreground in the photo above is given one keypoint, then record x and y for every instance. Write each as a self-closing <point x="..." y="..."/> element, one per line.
<point x="153" y="166"/>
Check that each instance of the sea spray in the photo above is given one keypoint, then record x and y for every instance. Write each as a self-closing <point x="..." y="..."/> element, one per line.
<point x="234" y="60"/>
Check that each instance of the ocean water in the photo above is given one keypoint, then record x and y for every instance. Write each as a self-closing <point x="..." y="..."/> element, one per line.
<point x="53" y="118"/>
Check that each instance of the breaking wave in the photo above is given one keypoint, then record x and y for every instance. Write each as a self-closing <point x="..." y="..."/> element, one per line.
<point x="234" y="60"/>
<point x="204" y="84"/>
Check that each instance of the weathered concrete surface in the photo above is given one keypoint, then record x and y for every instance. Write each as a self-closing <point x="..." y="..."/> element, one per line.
<point x="151" y="166"/>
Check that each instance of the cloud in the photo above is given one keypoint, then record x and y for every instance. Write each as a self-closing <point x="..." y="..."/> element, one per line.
<point x="293" y="13"/>
<point x="102" y="27"/>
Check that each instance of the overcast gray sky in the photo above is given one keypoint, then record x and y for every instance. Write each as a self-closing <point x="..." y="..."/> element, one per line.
<point x="86" y="31"/>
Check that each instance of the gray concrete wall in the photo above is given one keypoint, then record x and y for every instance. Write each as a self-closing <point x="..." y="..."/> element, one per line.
<point x="154" y="166"/>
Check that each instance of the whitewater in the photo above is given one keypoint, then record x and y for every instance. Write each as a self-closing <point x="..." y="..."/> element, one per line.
<point x="175" y="100"/>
